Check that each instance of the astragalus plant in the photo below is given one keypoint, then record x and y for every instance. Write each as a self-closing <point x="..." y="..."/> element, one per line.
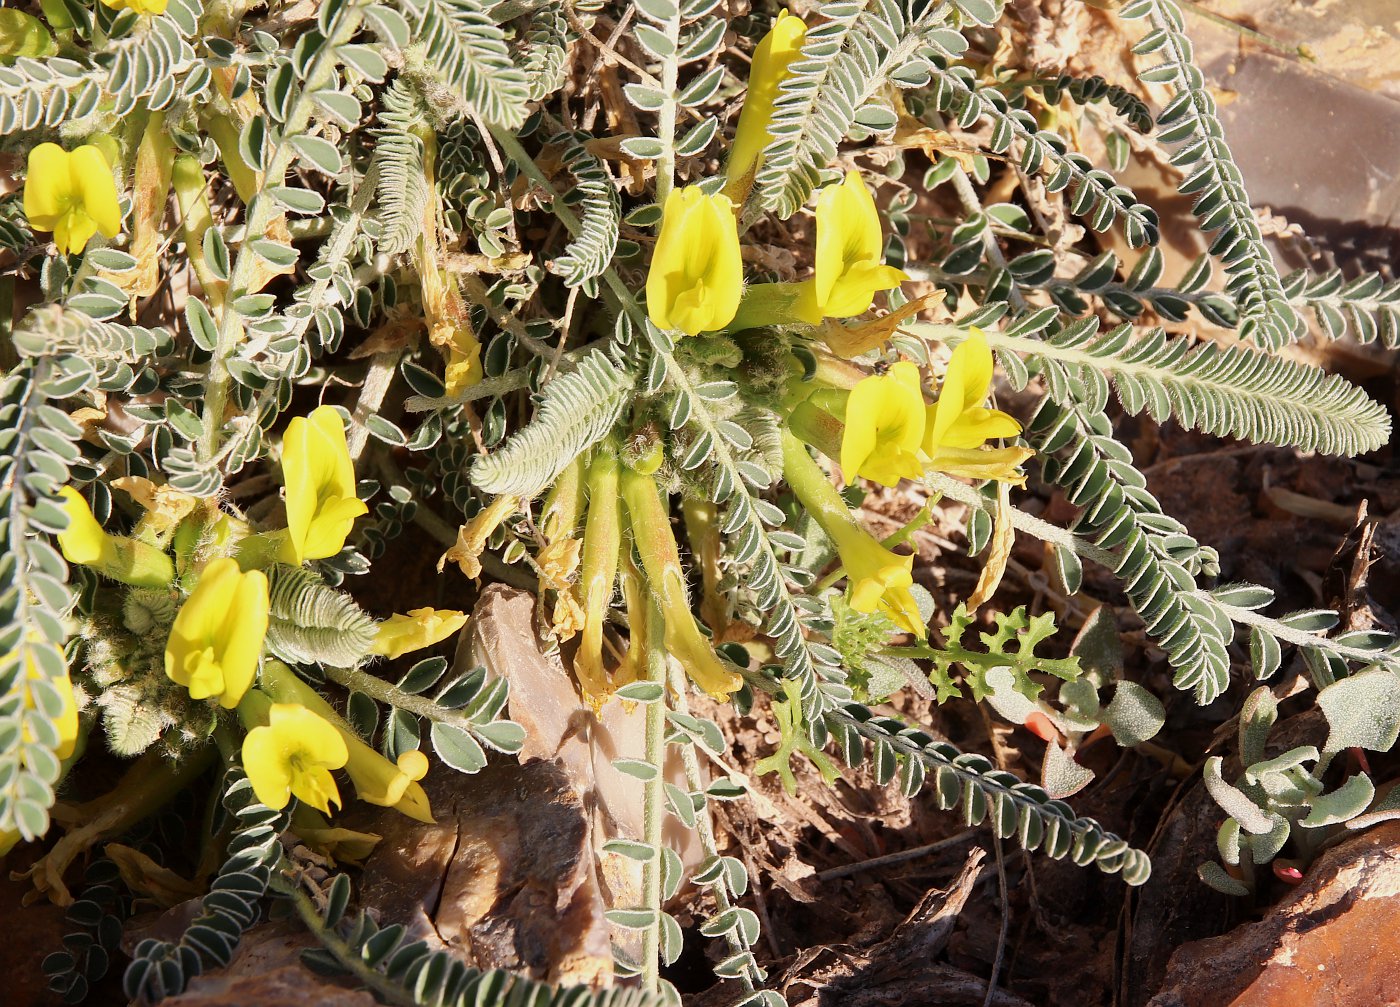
<point x="607" y="295"/>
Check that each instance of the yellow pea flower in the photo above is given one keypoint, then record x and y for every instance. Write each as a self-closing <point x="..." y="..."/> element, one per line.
<point x="421" y="627"/>
<point x="321" y="501"/>
<point x="217" y="636"/>
<point x="390" y="785"/>
<point x="850" y="252"/>
<point x="72" y="194"/>
<point x="885" y="416"/>
<point x="651" y="531"/>
<point x="376" y="779"/>
<point x="128" y="560"/>
<point x="880" y="579"/>
<point x="66" y="723"/>
<point x="696" y="277"/>
<point x="777" y="51"/>
<point x="958" y="424"/>
<point x="84" y="541"/>
<point x="293" y="754"/>
<point x="139" y="6"/>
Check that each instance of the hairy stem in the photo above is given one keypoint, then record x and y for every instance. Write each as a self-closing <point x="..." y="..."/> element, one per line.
<point x="261" y="212"/>
<point x="705" y="830"/>
<point x="653" y="800"/>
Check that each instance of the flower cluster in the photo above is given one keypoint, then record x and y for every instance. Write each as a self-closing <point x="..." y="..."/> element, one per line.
<point x="878" y="426"/>
<point x="891" y="435"/>
<point x="216" y="640"/>
<point x="884" y="431"/>
<point x="696" y="282"/>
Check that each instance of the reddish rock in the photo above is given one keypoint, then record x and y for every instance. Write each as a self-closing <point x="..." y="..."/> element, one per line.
<point x="266" y="970"/>
<point x="1330" y="943"/>
<point x="289" y="986"/>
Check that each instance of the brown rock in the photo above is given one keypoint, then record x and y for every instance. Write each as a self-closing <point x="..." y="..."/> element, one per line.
<point x="505" y="877"/>
<point x="266" y="970"/>
<point x="560" y="727"/>
<point x="288" y="986"/>
<point x="1331" y="943"/>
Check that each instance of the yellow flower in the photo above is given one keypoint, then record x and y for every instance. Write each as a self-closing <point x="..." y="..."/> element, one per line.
<point x="390" y="785"/>
<point x="217" y="636"/>
<point x="293" y="754"/>
<point x="651" y="532"/>
<point x="321" y="501"/>
<point x="85" y="542"/>
<point x="421" y="627"/>
<point x="850" y="252"/>
<point x="884" y="427"/>
<point x="376" y="779"/>
<point x="958" y="424"/>
<point x="771" y="60"/>
<point x="71" y="194"/>
<point x="879" y="578"/>
<point x="696" y="276"/>
<point x="36" y="653"/>
<point x="139" y="6"/>
<point x="44" y="669"/>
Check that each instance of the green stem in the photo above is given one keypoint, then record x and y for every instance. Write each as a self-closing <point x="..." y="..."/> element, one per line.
<point x="653" y="801"/>
<point x="512" y="148"/>
<point x="348" y="957"/>
<point x="1272" y="42"/>
<point x="815" y="492"/>
<point x="376" y="688"/>
<point x="705" y="832"/>
<point x="260" y="213"/>
<point x="666" y="115"/>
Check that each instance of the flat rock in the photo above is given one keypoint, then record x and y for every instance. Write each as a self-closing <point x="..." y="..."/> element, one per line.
<point x="266" y="970"/>
<point x="1330" y="943"/>
<point x="288" y="986"/>
<point x="505" y="878"/>
<point x="561" y="728"/>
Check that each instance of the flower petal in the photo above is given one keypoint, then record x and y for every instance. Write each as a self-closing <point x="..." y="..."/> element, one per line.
<point x="47" y="189"/>
<point x="92" y="181"/>
<point x="978" y="425"/>
<point x="773" y="56"/>
<point x="268" y="768"/>
<point x="244" y="631"/>
<point x="973" y="361"/>
<point x="83" y="541"/>
<point x="885" y="417"/>
<point x="696" y="277"/>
